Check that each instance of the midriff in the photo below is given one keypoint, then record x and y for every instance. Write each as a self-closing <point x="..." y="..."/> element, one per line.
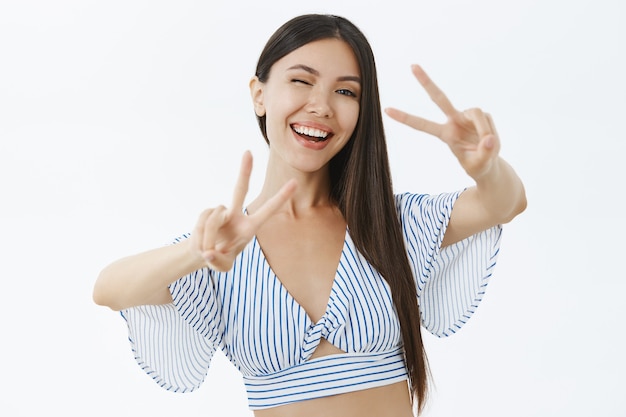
<point x="386" y="401"/>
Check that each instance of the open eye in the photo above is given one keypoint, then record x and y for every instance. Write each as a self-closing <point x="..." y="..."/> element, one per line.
<point x="346" y="92"/>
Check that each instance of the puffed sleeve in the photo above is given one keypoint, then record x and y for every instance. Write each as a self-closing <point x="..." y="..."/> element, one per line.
<point x="174" y="343"/>
<point x="451" y="281"/>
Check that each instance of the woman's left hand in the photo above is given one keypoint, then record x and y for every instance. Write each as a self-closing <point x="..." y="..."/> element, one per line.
<point x="470" y="134"/>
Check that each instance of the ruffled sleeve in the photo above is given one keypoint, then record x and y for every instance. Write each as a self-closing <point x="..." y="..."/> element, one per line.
<point x="451" y="281"/>
<point x="174" y="343"/>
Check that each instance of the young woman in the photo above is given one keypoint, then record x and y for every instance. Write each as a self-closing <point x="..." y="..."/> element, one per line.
<point x="316" y="290"/>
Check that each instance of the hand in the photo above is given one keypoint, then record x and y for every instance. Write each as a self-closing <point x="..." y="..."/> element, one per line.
<point x="221" y="234"/>
<point x="471" y="134"/>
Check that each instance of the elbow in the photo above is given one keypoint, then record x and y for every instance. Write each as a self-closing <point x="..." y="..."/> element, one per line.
<point x="103" y="295"/>
<point x="523" y="203"/>
<point x="518" y="208"/>
<point x="101" y="299"/>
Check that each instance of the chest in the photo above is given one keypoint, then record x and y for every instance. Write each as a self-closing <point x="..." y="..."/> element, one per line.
<point x="265" y="329"/>
<point x="304" y="257"/>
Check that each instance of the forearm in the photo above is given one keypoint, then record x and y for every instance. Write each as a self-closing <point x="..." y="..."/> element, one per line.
<point x="501" y="192"/>
<point x="144" y="278"/>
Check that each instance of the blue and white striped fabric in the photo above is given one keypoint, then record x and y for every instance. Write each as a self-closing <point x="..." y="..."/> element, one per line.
<point x="248" y="314"/>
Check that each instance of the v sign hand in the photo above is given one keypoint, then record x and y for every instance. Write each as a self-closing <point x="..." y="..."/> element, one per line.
<point x="470" y="134"/>
<point x="221" y="233"/>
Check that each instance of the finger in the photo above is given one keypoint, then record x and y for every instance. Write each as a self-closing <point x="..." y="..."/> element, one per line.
<point x="433" y="91"/>
<point x="415" y="122"/>
<point x="480" y="122"/>
<point x="198" y="229"/>
<point x="274" y="203"/>
<point x="492" y="125"/>
<point x="489" y="143"/>
<point x="211" y="228"/>
<point x="218" y="261"/>
<point x="492" y="143"/>
<point x="241" y="187"/>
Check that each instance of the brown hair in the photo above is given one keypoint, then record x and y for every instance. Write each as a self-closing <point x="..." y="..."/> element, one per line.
<point x="361" y="181"/>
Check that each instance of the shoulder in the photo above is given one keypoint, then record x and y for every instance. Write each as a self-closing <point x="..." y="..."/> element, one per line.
<point x="415" y="203"/>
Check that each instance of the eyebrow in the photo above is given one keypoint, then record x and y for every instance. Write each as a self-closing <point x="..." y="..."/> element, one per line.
<point x="317" y="73"/>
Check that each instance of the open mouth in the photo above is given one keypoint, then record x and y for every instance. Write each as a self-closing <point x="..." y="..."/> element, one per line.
<point x="311" y="134"/>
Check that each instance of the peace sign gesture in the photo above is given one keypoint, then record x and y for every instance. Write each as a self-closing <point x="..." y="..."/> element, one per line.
<point x="470" y="134"/>
<point x="221" y="233"/>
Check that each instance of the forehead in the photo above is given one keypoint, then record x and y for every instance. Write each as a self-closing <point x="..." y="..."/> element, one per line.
<point x="331" y="57"/>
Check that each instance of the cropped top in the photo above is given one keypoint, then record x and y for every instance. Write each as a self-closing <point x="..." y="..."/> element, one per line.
<point x="248" y="314"/>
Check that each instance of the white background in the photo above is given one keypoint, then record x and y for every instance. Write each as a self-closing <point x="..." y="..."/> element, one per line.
<point x="121" y="120"/>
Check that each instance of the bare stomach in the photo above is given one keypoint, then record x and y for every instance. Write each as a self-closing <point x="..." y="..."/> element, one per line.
<point x="387" y="401"/>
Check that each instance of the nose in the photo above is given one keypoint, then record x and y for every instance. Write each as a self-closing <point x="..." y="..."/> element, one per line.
<point x="320" y="103"/>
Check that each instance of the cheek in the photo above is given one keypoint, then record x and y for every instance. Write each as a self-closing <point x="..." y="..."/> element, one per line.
<point x="350" y="117"/>
<point x="282" y="106"/>
<point x="275" y="116"/>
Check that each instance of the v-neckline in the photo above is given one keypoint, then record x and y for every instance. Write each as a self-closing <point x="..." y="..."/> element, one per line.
<point x="289" y="295"/>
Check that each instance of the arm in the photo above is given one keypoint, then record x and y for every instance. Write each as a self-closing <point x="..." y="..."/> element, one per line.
<point x="219" y="236"/>
<point x="495" y="199"/>
<point x="498" y="195"/>
<point x="144" y="278"/>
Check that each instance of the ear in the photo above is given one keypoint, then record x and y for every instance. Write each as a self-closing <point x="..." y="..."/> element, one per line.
<point x="256" y="92"/>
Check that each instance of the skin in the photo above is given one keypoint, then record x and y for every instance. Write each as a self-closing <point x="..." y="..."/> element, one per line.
<point x="317" y="86"/>
<point x="471" y="135"/>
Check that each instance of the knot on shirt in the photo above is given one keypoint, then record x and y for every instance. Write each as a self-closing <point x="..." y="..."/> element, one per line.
<point x="324" y="328"/>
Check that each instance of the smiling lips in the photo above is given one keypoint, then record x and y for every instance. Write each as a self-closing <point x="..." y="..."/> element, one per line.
<point x="311" y="134"/>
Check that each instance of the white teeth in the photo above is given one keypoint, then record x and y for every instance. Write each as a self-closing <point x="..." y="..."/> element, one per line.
<point x="309" y="131"/>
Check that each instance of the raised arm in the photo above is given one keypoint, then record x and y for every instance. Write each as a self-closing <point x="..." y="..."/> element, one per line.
<point x="219" y="236"/>
<point x="498" y="195"/>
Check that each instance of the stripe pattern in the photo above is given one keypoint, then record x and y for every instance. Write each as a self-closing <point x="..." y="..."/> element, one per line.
<point x="158" y="335"/>
<point x="248" y="314"/>
<point x="451" y="281"/>
<point x="326" y="375"/>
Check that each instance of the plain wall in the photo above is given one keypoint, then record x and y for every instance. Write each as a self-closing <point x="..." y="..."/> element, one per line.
<point x="121" y="120"/>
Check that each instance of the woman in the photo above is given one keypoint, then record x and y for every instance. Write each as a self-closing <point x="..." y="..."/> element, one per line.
<point x="317" y="289"/>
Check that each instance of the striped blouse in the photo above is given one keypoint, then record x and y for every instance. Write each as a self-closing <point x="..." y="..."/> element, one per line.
<point x="248" y="314"/>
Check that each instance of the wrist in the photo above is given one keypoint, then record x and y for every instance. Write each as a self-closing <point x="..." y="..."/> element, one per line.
<point x="492" y="175"/>
<point x="190" y="257"/>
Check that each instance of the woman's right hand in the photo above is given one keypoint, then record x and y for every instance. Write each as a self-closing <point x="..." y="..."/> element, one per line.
<point x="221" y="233"/>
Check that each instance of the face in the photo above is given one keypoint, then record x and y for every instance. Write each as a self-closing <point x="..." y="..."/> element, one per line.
<point x="311" y="104"/>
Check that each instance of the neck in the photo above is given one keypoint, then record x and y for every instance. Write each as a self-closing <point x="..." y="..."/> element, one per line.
<point x="313" y="189"/>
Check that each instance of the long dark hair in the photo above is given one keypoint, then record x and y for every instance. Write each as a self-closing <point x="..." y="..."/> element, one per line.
<point x="361" y="181"/>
